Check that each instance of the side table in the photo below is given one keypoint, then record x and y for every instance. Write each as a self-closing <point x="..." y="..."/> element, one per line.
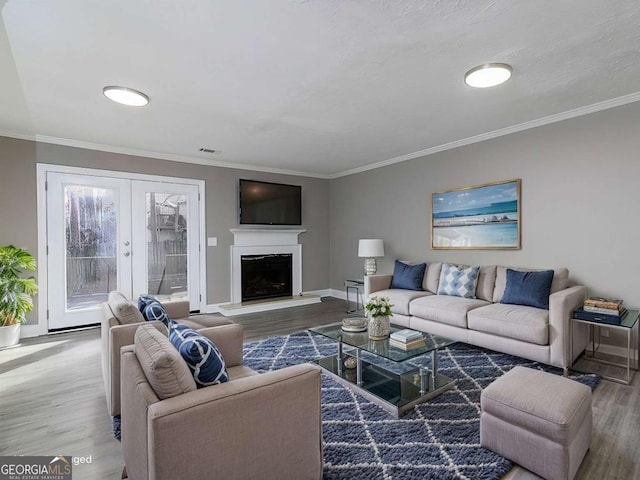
<point x="627" y="325"/>
<point x="357" y="286"/>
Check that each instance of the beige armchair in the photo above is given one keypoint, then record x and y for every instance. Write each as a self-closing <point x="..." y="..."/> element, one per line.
<point x="256" y="426"/>
<point x="116" y="335"/>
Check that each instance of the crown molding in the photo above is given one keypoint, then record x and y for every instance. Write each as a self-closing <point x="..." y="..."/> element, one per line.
<point x="151" y="154"/>
<point x="558" y="117"/>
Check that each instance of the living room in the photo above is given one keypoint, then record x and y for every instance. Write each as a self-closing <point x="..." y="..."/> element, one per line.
<point x="576" y="162"/>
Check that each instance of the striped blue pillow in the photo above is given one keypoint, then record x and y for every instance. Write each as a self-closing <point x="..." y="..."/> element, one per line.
<point x="201" y="355"/>
<point x="152" y="309"/>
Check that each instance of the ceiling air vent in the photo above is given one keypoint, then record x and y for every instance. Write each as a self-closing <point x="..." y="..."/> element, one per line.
<point x="207" y="150"/>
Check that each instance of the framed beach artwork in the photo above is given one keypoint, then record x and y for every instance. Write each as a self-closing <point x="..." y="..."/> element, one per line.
<point x="478" y="217"/>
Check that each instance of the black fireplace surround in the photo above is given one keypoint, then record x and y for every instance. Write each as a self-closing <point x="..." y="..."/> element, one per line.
<point x="266" y="276"/>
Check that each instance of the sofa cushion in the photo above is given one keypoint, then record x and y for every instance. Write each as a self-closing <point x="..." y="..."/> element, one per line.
<point x="486" y="282"/>
<point x="445" y="309"/>
<point x="152" y="310"/>
<point x="163" y="366"/>
<point x="122" y="309"/>
<point x="408" y="277"/>
<point x="458" y="281"/>
<point x="528" y="324"/>
<point x="432" y="277"/>
<point x="560" y="280"/>
<point x="528" y="288"/>
<point x="202" y="356"/>
<point x="400" y="298"/>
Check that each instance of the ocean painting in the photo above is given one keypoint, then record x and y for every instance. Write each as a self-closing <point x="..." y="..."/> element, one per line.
<point x="478" y="217"/>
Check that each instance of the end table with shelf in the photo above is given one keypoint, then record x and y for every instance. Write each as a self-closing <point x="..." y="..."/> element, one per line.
<point x="627" y="324"/>
<point x="357" y="287"/>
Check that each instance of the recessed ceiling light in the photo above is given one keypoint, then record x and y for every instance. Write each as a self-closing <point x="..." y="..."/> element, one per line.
<point x="126" y="96"/>
<point x="488" y="75"/>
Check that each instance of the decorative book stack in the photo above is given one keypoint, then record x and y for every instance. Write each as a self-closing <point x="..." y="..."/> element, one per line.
<point x="406" y="339"/>
<point x="604" y="310"/>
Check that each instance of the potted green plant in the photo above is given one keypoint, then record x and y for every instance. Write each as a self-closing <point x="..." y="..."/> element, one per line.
<point x="16" y="292"/>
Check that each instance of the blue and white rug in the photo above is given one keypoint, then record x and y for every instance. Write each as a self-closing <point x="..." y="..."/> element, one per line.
<point x="436" y="440"/>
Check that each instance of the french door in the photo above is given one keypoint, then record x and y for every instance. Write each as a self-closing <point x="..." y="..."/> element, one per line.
<point x="106" y="233"/>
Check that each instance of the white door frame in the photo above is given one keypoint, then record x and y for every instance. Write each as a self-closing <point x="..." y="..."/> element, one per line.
<point x="42" y="327"/>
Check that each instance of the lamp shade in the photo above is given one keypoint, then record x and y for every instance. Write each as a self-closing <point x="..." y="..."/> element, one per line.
<point x="371" y="247"/>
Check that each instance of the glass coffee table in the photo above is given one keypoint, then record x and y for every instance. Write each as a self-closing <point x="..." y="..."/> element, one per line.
<point x="381" y="374"/>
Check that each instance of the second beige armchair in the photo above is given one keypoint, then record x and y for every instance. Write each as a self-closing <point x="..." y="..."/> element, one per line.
<point x="255" y="426"/>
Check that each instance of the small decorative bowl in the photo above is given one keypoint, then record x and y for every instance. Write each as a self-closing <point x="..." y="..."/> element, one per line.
<point x="354" y="324"/>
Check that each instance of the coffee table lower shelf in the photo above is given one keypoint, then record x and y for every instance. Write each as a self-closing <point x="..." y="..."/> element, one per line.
<point x="395" y="392"/>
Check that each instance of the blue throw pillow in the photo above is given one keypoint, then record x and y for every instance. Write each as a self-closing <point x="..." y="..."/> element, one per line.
<point x="408" y="277"/>
<point x="528" y="288"/>
<point x="458" y="281"/>
<point x="201" y="355"/>
<point x="152" y="309"/>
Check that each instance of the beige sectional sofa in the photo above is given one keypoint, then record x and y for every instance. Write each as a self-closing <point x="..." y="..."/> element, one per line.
<point x="529" y="332"/>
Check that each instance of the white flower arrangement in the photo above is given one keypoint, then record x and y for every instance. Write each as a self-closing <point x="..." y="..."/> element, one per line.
<point x="379" y="306"/>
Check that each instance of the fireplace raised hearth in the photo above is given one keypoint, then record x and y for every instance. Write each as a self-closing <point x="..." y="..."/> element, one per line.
<point x="266" y="276"/>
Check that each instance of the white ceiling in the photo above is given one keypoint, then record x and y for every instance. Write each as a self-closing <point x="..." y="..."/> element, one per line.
<point x="318" y="87"/>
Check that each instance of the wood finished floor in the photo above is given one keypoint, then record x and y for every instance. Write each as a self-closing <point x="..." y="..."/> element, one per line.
<point x="52" y="401"/>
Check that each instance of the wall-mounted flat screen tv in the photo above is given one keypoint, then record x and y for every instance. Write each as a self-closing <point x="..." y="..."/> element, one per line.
<point x="264" y="203"/>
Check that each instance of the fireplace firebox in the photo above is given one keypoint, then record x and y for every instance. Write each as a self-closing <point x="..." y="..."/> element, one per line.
<point x="266" y="276"/>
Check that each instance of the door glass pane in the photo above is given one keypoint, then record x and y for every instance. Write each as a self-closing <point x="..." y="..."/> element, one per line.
<point x="91" y="245"/>
<point x="167" y="244"/>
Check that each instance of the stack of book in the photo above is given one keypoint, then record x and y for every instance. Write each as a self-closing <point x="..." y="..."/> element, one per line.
<point x="604" y="310"/>
<point x="406" y="339"/>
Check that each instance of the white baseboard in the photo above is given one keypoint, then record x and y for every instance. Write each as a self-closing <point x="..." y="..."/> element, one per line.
<point x="326" y="292"/>
<point x="341" y="294"/>
<point x="30" y="331"/>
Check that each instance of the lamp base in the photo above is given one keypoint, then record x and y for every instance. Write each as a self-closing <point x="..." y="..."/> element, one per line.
<point x="370" y="266"/>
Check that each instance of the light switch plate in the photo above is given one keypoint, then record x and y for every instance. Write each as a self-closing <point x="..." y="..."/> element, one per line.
<point x="212" y="242"/>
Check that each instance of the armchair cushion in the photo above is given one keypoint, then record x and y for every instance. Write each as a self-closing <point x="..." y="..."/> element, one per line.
<point x="202" y="356"/>
<point x="122" y="309"/>
<point x="166" y="371"/>
<point x="152" y="309"/>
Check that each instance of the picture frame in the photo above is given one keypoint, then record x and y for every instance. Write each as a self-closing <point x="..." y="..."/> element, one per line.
<point x="479" y="217"/>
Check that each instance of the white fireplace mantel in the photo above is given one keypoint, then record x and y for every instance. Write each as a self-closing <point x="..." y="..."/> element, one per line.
<point x="252" y="237"/>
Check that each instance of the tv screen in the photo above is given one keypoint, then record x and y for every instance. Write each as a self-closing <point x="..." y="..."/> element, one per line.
<point x="264" y="203"/>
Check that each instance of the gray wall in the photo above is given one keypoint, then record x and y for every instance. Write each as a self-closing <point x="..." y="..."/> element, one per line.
<point x="580" y="207"/>
<point x="18" y="160"/>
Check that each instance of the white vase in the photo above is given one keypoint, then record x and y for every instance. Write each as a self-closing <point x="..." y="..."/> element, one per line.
<point x="379" y="327"/>
<point x="9" y="335"/>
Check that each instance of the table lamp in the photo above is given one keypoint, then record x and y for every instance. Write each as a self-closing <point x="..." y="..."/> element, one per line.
<point x="369" y="248"/>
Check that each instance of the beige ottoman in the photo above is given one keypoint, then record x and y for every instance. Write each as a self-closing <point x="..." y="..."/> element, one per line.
<point x="538" y="420"/>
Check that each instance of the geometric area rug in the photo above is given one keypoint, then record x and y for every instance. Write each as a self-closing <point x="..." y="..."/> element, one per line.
<point x="439" y="439"/>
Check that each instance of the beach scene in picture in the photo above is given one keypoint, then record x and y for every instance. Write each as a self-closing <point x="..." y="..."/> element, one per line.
<point x="485" y="216"/>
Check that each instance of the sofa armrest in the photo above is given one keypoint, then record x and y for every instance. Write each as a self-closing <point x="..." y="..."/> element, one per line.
<point x="562" y="329"/>
<point x="120" y="336"/>
<point x="176" y="308"/>
<point x="266" y="426"/>
<point x="375" y="283"/>
<point x="228" y="339"/>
